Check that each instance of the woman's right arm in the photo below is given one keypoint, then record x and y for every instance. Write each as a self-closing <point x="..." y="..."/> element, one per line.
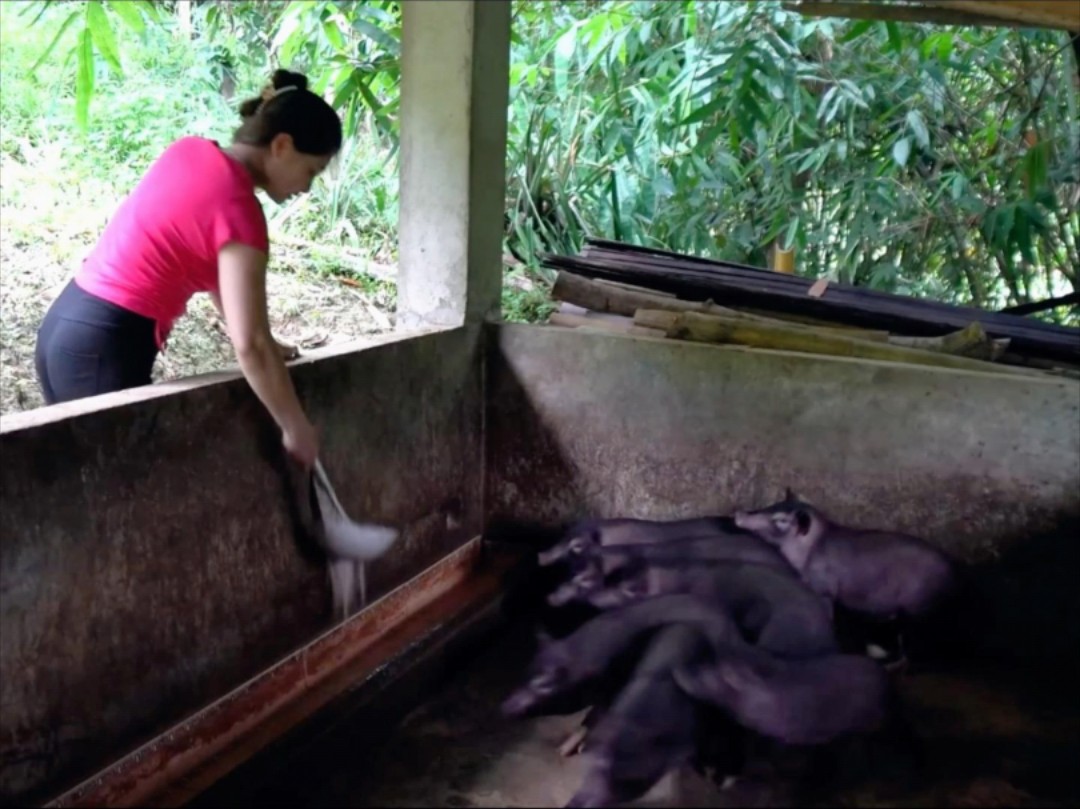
<point x="242" y="281"/>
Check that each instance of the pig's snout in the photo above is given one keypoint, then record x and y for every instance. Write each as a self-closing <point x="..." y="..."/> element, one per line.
<point x="550" y="556"/>
<point x="608" y="599"/>
<point x="563" y="595"/>
<point x="518" y="702"/>
<point x="757" y="523"/>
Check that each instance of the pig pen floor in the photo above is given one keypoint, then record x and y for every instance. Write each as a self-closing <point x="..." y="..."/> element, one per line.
<point x="992" y="738"/>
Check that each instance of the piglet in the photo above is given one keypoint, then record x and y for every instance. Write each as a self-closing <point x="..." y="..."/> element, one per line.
<point x="771" y="607"/>
<point x="562" y="666"/>
<point x="588" y="534"/>
<point x="650" y="729"/>
<point x="600" y="565"/>
<point x="885" y="575"/>
<point x="800" y="702"/>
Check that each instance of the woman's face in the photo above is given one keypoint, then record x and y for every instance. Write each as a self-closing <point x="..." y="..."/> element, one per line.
<point x="289" y="172"/>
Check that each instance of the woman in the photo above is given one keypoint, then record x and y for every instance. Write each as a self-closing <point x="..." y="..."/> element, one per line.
<point x="193" y="224"/>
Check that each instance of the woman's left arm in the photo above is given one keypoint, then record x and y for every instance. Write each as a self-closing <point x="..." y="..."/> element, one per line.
<point x="215" y="296"/>
<point x="288" y="352"/>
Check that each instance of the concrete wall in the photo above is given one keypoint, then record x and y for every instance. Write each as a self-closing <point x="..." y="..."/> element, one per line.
<point x="148" y="559"/>
<point x="609" y="425"/>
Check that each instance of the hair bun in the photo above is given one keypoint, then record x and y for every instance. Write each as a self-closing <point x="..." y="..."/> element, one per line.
<point x="286" y="78"/>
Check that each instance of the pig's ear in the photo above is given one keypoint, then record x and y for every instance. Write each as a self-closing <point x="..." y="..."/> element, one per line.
<point x="737" y="674"/>
<point x="794" y="497"/>
<point x="802" y="521"/>
<point x="689" y="680"/>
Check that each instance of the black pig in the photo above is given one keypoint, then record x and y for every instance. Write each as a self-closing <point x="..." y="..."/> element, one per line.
<point x="651" y="728"/>
<point x="596" y="566"/>
<point x="772" y="607"/>
<point x="883" y="574"/>
<point x="588" y="534"/>
<point x="561" y="666"/>
<point x="800" y="702"/>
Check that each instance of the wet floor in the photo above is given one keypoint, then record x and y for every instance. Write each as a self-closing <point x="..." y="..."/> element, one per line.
<point x="991" y="736"/>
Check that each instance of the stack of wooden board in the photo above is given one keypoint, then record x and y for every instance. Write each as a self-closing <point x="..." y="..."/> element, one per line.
<point x="676" y="297"/>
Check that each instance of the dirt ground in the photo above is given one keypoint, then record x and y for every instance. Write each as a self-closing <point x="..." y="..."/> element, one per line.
<point x="991" y="734"/>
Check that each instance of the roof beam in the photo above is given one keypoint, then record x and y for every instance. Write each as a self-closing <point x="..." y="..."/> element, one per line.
<point x="976" y="12"/>
<point x="1027" y="13"/>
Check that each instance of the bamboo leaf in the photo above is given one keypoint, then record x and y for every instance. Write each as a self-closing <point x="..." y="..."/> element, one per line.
<point x="148" y="8"/>
<point x="896" y="40"/>
<point x="901" y="151"/>
<point x="918" y="127"/>
<point x="945" y="46"/>
<point x="333" y="34"/>
<point x="807" y="161"/>
<point x="957" y="186"/>
<point x="378" y="14"/>
<point x="379" y="35"/>
<point x="84" y="79"/>
<point x="790" y="233"/>
<point x="97" y="21"/>
<point x="1021" y="234"/>
<point x="830" y="94"/>
<point x="130" y="14"/>
<point x="702" y="113"/>
<point x="857" y="30"/>
<point x="1035" y="164"/>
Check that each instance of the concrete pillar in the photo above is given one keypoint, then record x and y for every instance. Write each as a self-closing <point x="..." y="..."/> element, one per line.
<point x="455" y="62"/>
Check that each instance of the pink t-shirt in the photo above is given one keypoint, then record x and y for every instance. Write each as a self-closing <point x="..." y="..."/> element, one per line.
<point x="162" y="244"/>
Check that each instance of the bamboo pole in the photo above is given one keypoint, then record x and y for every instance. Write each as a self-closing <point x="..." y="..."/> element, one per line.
<point x="705" y="328"/>
<point x="599" y="298"/>
<point x="967" y="342"/>
<point x="783" y="260"/>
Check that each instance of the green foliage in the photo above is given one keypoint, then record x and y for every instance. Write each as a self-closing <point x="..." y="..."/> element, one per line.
<point x="524" y="301"/>
<point x="170" y="87"/>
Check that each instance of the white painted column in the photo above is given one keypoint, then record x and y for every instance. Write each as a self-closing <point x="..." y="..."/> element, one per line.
<point x="455" y="62"/>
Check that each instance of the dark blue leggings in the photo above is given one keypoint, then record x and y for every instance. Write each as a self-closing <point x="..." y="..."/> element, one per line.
<point x="87" y="346"/>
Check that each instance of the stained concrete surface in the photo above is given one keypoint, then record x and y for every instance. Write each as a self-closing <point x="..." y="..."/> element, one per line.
<point x="994" y="735"/>
<point x="148" y="561"/>
<point x="608" y="425"/>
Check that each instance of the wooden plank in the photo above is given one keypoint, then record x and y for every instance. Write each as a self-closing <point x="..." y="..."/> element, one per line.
<point x="598" y="298"/>
<point x="651" y="261"/>
<point x="632" y="288"/>
<point x="857" y="306"/>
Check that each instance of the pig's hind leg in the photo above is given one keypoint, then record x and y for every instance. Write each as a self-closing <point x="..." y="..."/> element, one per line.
<point x="721" y="748"/>
<point x="575" y="742"/>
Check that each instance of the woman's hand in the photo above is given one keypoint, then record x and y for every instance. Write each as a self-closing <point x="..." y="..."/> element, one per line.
<point x="288" y="352"/>
<point x="302" y="443"/>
